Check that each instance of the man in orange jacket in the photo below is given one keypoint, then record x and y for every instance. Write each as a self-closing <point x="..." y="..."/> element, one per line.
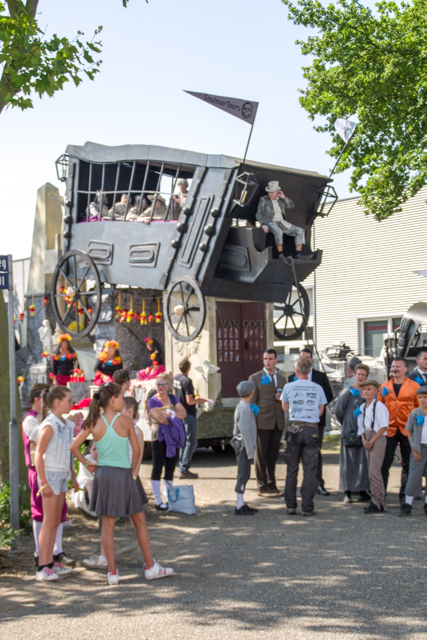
<point x="399" y="395"/>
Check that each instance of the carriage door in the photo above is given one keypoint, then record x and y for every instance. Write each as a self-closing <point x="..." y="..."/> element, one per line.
<point x="241" y="342"/>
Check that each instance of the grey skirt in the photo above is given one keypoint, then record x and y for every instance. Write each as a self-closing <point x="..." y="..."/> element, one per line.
<point x="141" y="491"/>
<point x="115" y="493"/>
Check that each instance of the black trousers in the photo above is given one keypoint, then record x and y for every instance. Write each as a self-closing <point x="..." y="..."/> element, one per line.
<point x="320" y="481"/>
<point x="158" y="452"/>
<point x="302" y="445"/>
<point x="405" y="449"/>
<point x="267" y="452"/>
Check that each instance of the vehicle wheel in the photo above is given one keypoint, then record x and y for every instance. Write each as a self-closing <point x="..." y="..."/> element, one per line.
<point x="292" y="318"/>
<point x="76" y="293"/>
<point x="184" y="308"/>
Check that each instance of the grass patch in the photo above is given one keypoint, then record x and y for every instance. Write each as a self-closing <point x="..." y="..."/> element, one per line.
<point x="331" y="442"/>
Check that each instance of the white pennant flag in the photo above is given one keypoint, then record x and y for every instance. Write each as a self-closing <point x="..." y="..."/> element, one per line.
<point x="243" y="109"/>
<point x="345" y="128"/>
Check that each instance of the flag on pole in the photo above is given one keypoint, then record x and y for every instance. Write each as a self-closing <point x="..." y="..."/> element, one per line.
<point x="243" y="109"/>
<point x="345" y="128"/>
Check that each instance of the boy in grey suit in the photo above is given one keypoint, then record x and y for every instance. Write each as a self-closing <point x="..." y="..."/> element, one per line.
<point x="243" y="443"/>
<point x="417" y="429"/>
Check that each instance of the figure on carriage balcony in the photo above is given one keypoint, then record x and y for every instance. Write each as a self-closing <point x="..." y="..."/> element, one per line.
<point x="271" y="214"/>
<point x="118" y="211"/>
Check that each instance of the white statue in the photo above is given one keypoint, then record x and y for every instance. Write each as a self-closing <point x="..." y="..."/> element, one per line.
<point x="206" y="368"/>
<point x="45" y="333"/>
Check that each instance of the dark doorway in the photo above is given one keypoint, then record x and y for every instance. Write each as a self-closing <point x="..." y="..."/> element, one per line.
<point x="241" y="341"/>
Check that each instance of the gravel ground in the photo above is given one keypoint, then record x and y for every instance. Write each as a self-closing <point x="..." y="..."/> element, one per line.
<point x="336" y="576"/>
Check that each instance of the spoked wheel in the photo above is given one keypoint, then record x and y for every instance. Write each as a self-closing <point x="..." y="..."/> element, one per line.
<point x="291" y="317"/>
<point x="76" y="293"/>
<point x="184" y="309"/>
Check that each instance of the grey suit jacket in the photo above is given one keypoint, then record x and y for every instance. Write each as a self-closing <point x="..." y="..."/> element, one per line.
<point x="265" y="210"/>
<point x="270" y="409"/>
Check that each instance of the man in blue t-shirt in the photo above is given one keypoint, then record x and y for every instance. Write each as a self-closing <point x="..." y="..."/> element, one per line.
<point x="303" y="402"/>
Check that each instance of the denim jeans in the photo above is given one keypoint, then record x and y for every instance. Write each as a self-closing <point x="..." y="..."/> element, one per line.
<point x="186" y="453"/>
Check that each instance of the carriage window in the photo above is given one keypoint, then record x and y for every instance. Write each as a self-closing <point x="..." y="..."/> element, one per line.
<point x="132" y="191"/>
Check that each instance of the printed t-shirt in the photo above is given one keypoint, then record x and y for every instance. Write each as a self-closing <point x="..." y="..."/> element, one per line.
<point x="364" y="419"/>
<point x="304" y="398"/>
<point x="183" y="386"/>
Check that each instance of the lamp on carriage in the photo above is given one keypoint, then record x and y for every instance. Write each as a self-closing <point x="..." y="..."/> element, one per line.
<point x="250" y="185"/>
<point x="62" y="167"/>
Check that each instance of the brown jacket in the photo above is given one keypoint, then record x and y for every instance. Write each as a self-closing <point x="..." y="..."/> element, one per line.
<point x="270" y="409"/>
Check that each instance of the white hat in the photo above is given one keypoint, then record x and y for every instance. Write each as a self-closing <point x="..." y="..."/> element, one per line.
<point x="273" y="186"/>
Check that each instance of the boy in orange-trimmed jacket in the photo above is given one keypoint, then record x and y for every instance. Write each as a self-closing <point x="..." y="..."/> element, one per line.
<point x="399" y="394"/>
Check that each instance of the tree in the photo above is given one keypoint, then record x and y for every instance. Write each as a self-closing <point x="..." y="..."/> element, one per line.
<point x="31" y="63"/>
<point x="372" y="64"/>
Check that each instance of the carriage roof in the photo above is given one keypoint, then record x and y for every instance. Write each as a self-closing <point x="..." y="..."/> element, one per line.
<point x="94" y="152"/>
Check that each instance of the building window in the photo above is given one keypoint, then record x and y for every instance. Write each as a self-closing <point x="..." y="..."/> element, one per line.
<point x="373" y="334"/>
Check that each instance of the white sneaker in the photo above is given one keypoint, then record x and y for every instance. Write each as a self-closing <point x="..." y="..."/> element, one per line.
<point x="157" y="571"/>
<point x="60" y="569"/>
<point x="46" y="575"/>
<point x="96" y="562"/>
<point x="113" y="578"/>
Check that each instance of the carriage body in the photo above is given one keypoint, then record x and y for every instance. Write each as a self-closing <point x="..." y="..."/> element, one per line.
<point x="211" y="240"/>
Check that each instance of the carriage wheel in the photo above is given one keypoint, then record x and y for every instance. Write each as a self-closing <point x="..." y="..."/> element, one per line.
<point x="184" y="308"/>
<point x="76" y="293"/>
<point x="293" y="314"/>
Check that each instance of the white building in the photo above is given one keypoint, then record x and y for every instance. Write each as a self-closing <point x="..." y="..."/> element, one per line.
<point x="366" y="280"/>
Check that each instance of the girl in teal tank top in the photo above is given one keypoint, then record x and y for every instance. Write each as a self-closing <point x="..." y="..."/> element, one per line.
<point x="113" y="450"/>
<point x="114" y="492"/>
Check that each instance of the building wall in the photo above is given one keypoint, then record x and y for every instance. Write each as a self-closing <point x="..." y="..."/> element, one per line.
<point x="367" y="272"/>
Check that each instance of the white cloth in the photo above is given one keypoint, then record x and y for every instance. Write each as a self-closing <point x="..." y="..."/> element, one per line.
<point x="31" y="426"/>
<point x="424" y="432"/>
<point x="277" y="217"/>
<point x="130" y="446"/>
<point x="304" y="398"/>
<point x="381" y="417"/>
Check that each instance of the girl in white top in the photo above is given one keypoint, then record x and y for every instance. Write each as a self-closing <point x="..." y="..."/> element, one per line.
<point x="54" y="467"/>
<point x="372" y="421"/>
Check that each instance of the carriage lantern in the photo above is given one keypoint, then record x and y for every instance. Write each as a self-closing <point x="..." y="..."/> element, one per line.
<point x="62" y="167"/>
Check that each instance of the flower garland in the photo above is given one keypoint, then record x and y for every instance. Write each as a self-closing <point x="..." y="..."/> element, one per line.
<point x="64" y="356"/>
<point x="110" y="363"/>
<point x="64" y="336"/>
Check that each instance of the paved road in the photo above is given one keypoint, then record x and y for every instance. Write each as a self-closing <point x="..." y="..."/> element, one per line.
<point x="341" y="575"/>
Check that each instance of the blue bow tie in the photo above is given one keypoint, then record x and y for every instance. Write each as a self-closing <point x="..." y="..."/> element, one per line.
<point x="355" y="392"/>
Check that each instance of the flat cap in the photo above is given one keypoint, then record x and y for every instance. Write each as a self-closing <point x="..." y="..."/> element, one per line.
<point x="245" y="387"/>
<point x="369" y="382"/>
<point x="422" y="390"/>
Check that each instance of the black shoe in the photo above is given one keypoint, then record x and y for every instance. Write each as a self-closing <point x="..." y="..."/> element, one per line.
<point x="405" y="510"/>
<point x="425" y="508"/>
<point x="163" y="506"/>
<point x="291" y="512"/>
<point x="303" y="256"/>
<point x="36" y="560"/>
<point x="309" y="513"/>
<point x="63" y="558"/>
<point x="371" y="508"/>
<point x="363" y="497"/>
<point x="245" y="511"/>
<point x="321" y="491"/>
<point x="187" y="474"/>
<point x="281" y="257"/>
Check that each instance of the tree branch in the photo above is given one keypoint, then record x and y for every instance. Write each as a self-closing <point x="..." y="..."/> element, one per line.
<point x="14" y="6"/>
<point x="31" y="7"/>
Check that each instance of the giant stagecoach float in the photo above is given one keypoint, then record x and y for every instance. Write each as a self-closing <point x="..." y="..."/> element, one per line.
<point x="183" y="224"/>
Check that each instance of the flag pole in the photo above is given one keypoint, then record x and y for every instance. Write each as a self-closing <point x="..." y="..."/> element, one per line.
<point x="249" y="140"/>
<point x="342" y="152"/>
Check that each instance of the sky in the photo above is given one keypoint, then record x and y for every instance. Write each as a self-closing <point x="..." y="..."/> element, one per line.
<point x="151" y="53"/>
